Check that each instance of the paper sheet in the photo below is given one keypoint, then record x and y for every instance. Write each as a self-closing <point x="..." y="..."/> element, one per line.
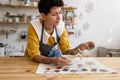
<point x="83" y="66"/>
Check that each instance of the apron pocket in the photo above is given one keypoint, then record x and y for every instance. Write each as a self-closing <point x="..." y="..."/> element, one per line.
<point x="54" y="53"/>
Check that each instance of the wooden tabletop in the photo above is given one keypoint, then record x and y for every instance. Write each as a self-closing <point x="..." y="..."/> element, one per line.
<point x="21" y="68"/>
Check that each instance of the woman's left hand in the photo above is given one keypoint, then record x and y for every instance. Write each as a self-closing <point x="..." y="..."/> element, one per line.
<point x="87" y="46"/>
<point x="84" y="46"/>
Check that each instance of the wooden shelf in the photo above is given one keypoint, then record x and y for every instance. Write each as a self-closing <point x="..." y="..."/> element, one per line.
<point x="71" y="23"/>
<point x="14" y="22"/>
<point x="69" y="8"/>
<point x="13" y="15"/>
<point x="7" y="31"/>
<point x="22" y="39"/>
<point x="15" y="6"/>
<point x="31" y="0"/>
<point x="70" y="32"/>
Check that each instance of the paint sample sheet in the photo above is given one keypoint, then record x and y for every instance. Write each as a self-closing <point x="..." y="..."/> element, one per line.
<point x="78" y="66"/>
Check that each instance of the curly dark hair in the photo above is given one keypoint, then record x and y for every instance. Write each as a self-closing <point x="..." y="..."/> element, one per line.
<point x="44" y="6"/>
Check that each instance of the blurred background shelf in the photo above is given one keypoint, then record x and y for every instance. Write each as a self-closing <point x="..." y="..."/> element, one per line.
<point x="17" y="6"/>
<point x="31" y="0"/>
<point x="14" y="22"/>
<point x="2" y="31"/>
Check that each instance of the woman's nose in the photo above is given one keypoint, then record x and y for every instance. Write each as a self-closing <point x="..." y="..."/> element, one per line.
<point x="59" y="16"/>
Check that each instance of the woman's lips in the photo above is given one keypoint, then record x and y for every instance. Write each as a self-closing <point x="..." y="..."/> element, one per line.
<point x="57" y="21"/>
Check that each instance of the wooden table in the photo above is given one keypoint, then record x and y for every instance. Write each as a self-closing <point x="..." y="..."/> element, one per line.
<point x="21" y="68"/>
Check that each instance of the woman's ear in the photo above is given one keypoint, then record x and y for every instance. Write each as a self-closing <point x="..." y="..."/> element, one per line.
<point x="43" y="16"/>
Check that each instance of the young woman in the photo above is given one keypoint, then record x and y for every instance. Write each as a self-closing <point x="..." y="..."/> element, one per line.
<point x="47" y="37"/>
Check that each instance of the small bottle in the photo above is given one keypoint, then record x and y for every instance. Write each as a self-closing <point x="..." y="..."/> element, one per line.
<point x="24" y="17"/>
<point x="22" y="48"/>
<point x="27" y="2"/>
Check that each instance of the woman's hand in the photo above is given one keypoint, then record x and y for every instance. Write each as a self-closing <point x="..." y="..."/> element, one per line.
<point x="84" y="46"/>
<point x="61" y="61"/>
<point x="91" y="44"/>
<point x="87" y="46"/>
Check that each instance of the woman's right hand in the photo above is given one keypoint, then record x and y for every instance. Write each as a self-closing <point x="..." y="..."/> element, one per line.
<point x="61" y="61"/>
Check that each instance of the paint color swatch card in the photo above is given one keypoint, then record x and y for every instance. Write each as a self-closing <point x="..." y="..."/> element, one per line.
<point x="83" y="66"/>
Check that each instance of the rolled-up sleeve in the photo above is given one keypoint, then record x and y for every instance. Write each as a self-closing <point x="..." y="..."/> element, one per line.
<point x="32" y="48"/>
<point x="64" y="42"/>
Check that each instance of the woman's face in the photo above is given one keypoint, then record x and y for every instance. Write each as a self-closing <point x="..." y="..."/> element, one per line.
<point x="54" y="16"/>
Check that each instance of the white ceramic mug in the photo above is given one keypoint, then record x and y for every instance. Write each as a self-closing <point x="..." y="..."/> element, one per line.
<point x="17" y="19"/>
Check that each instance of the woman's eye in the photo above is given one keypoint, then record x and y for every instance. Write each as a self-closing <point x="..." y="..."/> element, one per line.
<point x="53" y="14"/>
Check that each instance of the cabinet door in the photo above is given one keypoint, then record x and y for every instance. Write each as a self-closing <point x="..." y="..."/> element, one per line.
<point x="101" y="52"/>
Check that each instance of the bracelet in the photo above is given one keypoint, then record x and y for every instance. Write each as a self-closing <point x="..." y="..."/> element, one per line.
<point x="81" y="52"/>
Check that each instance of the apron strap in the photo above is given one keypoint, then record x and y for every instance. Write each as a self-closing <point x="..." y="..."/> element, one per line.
<point x="42" y="32"/>
<point x="57" y="36"/>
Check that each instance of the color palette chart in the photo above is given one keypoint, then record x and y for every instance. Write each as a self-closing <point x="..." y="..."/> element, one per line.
<point x="83" y="66"/>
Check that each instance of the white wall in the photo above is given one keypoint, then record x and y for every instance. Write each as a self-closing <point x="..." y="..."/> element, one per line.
<point x="104" y="24"/>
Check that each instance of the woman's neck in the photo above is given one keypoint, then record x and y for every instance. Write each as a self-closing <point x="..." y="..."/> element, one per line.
<point x="49" y="28"/>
